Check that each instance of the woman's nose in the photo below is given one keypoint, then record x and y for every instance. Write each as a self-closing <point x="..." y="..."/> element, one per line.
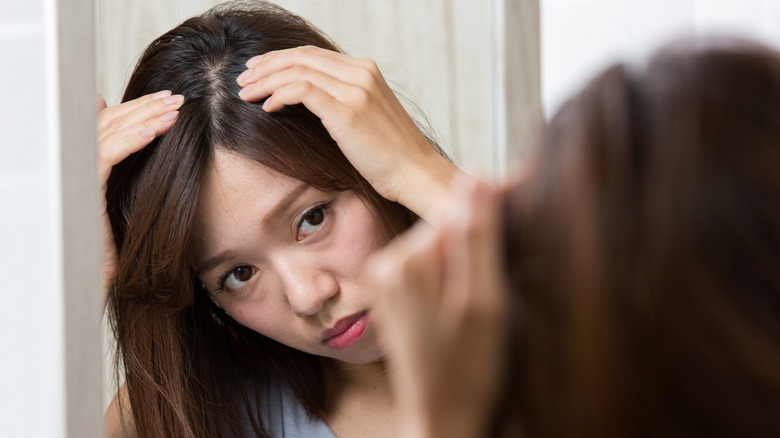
<point x="307" y="287"/>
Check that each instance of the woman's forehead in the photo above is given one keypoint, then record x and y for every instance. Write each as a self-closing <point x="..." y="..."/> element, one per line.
<point x="238" y="197"/>
<point x="239" y="191"/>
<point x="229" y="170"/>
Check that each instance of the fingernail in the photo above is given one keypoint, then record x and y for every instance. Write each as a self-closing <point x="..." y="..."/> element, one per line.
<point x="167" y="117"/>
<point x="161" y="94"/>
<point x="266" y="105"/>
<point x="147" y="133"/>
<point x="253" y="61"/>
<point x="244" y="91"/>
<point x="242" y="77"/>
<point x="171" y="100"/>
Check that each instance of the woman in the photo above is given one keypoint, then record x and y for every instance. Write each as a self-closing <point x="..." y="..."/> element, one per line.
<point x="641" y="255"/>
<point x="239" y="229"/>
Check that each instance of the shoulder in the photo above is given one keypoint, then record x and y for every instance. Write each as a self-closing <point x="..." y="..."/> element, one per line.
<point x="283" y="415"/>
<point x="119" y="416"/>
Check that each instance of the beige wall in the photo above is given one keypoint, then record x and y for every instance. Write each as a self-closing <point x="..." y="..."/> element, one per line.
<point x="443" y="55"/>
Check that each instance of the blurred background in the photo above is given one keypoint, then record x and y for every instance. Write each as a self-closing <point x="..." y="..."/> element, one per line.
<point x="483" y="72"/>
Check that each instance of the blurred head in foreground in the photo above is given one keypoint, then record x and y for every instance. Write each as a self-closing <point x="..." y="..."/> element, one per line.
<point x="644" y="250"/>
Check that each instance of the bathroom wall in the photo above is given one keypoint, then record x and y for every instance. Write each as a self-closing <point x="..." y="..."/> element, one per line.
<point x="454" y="58"/>
<point x="50" y="304"/>
<point x="579" y="37"/>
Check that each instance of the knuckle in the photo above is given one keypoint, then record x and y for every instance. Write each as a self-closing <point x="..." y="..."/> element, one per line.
<point x="148" y="98"/>
<point x="306" y="50"/>
<point x="369" y="65"/>
<point x="299" y="71"/>
<point x="107" y="115"/>
<point x="361" y="98"/>
<point x="365" y="78"/>
<point x="388" y="275"/>
<point x="267" y="57"/>
<point x="103" y="155"/>
<point x="304" y="88"/>
<point x="370" y="71"/>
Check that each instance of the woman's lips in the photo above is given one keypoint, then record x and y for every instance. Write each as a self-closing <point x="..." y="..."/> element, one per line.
<point x="346" y="332"/>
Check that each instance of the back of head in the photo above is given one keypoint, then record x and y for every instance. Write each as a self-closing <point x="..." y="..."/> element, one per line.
<point x="645" y="248"/>
<point x="186" y="361"/>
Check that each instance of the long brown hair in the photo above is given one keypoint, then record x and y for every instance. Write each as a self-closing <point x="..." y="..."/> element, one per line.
<point x="190" y="369"/>
<point x="644" y="252"/>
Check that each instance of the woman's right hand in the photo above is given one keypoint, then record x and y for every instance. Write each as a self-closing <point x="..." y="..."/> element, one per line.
<point x="122" y="130"/>
<point x="363" y="115"/>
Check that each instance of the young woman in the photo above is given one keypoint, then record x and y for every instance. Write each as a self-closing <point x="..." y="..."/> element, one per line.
<point x="640" y="252"/>
<point x="243" y="196"/>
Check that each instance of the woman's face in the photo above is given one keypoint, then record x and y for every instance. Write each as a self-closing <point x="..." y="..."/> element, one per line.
<point x="287" y="260"/>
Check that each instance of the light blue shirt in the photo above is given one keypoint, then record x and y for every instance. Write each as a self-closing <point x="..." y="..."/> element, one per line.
<point x="285" y="417"/>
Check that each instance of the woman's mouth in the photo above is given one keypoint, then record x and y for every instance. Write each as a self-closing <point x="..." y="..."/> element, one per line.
<point x="346" y="332"/>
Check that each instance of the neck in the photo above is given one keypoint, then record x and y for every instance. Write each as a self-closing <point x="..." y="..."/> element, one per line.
<point x="371" y="378"/>
<point x="362" y="399"/>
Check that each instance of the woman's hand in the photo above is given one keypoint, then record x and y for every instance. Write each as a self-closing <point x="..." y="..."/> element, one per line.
<point x="122" y="130"/>
<point x="442" y="317"/>
<point x="363" y="116"/>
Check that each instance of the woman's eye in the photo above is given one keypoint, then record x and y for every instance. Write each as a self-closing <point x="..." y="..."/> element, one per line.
<point x="311" y="221"/>
<point x="238" y="277"/>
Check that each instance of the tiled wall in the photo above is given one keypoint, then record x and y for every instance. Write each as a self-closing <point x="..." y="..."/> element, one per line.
<point x="580" y="36"/>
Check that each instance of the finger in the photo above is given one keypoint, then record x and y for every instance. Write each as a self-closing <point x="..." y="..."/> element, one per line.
<point x="118" y="145"/>
<point x="407" y="272"/>
<point x="118" y="118"/>
<point x="311" y="96"/>
<point x="472" y="267"/>
<point x="267" y="85"/>
<point x="100" y="103"/>
<point x="131" y="105"/>
<point x="107" y="116"/>
<point x="338" y="65"/>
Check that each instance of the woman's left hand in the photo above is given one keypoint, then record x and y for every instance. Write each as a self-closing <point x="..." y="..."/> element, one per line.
<point x="441" y="313"/>
<point x="363" y="116"/>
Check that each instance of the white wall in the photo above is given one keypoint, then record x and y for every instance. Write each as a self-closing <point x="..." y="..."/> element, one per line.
<point x="49" y="306"/>
<point x="30" y="305"/>
<point x="579" y="37"/>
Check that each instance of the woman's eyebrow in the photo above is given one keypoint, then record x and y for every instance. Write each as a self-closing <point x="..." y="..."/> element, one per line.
<point x="281" y="207"/>
<point x="215" y="261"/>
<point x="268" y="220"/>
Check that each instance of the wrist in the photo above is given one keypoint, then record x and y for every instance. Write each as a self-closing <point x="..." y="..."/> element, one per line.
<point x="428" y="186"/>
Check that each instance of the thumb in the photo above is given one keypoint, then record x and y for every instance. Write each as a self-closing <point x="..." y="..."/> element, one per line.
<point x="100" y="103"/>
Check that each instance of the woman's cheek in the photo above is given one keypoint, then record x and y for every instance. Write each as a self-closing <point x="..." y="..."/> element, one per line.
<point x="362" y="234"/>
